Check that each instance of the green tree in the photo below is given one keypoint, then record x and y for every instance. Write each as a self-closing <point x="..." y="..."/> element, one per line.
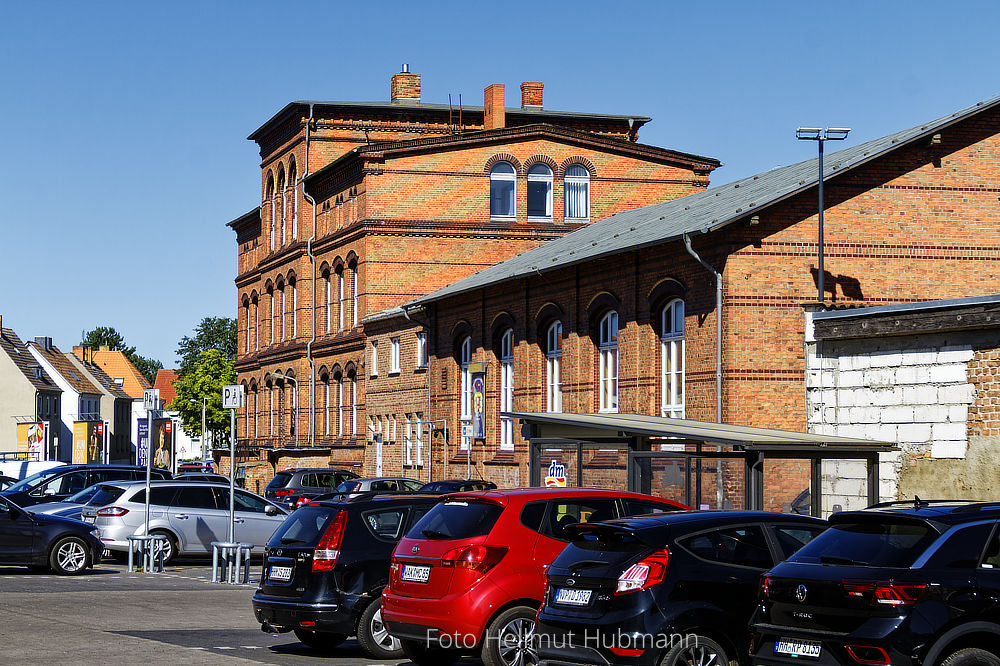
<point x="217" y="333"/>
<point x="107" y="336"/>
<point x="205" y="378"/>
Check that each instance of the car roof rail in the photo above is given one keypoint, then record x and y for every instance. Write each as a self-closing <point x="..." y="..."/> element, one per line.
<point x="918" y="503"/>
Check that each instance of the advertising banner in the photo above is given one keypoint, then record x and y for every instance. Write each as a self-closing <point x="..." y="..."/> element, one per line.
<point x="88" y="442"/>
<point x="142" y="443"/>
<point x="163" y="444"/>
<point x="31" y="440"/>
<point x="479" y="405"/>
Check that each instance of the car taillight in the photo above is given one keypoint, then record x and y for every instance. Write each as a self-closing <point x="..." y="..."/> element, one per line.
<point x="475" y="558"/>
<point x="325" y="555"/>
<point x="645" y="573"/>
<point x="112" y="511"/>
<point x="887" y="593"/>
<point x="867" y="654"/>
<point x="765" y="586"/>
<point x="283" y="492"/>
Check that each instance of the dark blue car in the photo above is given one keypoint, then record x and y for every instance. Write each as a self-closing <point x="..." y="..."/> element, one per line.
<point x="42" y="542"/>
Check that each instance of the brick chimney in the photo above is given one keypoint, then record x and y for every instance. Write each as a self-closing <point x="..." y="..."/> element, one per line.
<point x="405" y="86"/>
<point x="531" y="95"/>
<point x="494" y="111"/>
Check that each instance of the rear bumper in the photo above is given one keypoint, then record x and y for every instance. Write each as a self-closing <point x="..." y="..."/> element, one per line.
<point x="282" y="615"/>
<point x="573" y="644"/>
<point x="454" y="621"/>
<point x="833" y="647"/>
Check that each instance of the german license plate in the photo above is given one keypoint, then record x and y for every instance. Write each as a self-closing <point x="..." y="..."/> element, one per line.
<point x="280" y="573"/>
<point x="415" y="573"/>
<point x="570" y="597"/>
<point x="797" y="648"/>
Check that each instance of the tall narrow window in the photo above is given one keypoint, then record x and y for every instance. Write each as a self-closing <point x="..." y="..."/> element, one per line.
<point x="354" y="404"/>
<point x="394" y="355"/>
<point x="354" y="295"/>
<point x="270" y="411"/>
<point x="507" y="389"/>
<point x="374" y="361"/>
<point x="281" y="330"/>
<point x="553" y="360"/>
<point x="326" y="405"/>
<point x="329" y="294"/>
<point x="340" y="405"/>
<point x="246" y="341"/>
<point x="418" y="438"/>
<point x="341" y="299"/>
<point x="672" y="359"/>
<point x="408" y="440"/>
<point x="465" y="389"/>
<point x="295" y="308"/>
<point x="272" y="201"/>
<point x="256" y="322"/>
<point x="502" y="190"/>
<point x="421" y="350"/>
<point x="281" y="201"/>
<point x="608" y="388"/>
<point x="293" y="186"/>
<point x="576" y="191"/>
<point x="539" y="192"/>
<point x="270" y="337"/>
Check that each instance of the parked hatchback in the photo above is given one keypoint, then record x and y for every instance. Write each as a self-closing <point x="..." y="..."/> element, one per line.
<point x="376" y="484"/>
<point x="673" y="589"/>
<point x="326" y="566"/>
<point x="43" y="542"/>
<point x="457" y="486"/>
<point x="471" y="574"/>
<point x="903" y="584"/>
<point x="58" y="483"/>
<point x="191" y="514"/>
<point x="292" y="486"/>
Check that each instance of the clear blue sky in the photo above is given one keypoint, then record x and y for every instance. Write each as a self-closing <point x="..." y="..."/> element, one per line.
<point x="125" y="123"/>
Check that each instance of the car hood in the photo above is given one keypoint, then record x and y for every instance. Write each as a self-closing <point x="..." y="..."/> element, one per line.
<point x="47" y="519"/>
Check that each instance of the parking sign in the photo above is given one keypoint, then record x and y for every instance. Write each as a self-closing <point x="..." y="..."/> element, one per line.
<point x="232" y="396"/>
<point x="151" y="399"/>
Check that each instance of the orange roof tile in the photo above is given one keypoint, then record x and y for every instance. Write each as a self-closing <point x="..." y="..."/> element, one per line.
<point x="165" y="382"/>
<point x="117" y="365"/>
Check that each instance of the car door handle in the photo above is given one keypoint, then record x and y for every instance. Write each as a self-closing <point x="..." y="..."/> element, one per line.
<point x="238" y="520"/>
<point x="181" y="516"/>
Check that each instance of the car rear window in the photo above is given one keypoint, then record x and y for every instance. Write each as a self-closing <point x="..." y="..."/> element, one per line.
<point x="346" y="487"/>
<point x="107" y="495"/>
<point x="894" y="544"/>
<point x="303" y="527"/>
<point x="280" y="480"/>
<point x="456" y="520"/>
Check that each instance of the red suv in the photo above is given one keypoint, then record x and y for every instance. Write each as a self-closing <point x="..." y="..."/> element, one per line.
<point x="470" y="575"/>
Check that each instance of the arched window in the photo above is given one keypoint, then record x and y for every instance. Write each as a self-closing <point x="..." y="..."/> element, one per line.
<point x="270" y="409"/>
<point x="293" y="186"/>
<point x="281" y="314"/>
<point x="465" y="390"/>
<point x="327" y="298"/>
<point x="353" y="426"/>
<point x="553" y="360"/>
<point x="608" y="375"/>
<point x="502" y="178"/>
<point x="256" y="321"/>
<point x="269" y="196"/>
<point x="539" y="192"/>
<point x="576" y="192"/>
<point x="354" y="293"/>
<point x="672" y="359"/>
<point x="294" y="305"/>
<point x="341" y="299"/>
<point x="340" y="405"/>
<point x="326" y="403"/>
<point x="246" y="339"/>
<point x="272" y="315"/>
<point x="507" y="389"/>
<point x="281" y="201"/>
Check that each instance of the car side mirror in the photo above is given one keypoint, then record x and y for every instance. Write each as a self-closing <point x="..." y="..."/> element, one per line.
<point x="271" y="510"/>
<point x="49" y="492"/>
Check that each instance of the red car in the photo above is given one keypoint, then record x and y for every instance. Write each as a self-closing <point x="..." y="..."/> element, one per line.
<point x="470" y="575"/>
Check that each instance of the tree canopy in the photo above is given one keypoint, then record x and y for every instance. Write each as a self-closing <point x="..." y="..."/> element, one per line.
<point x="210" y="371"/>
<point x="107" y="336"/>
<point x="218" y="333"/>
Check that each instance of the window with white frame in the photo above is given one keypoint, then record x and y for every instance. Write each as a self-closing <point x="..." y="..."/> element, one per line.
<point x="270" y="411"/>
<point x="507" y="389"/>
<point x="374" y="361"/>
<point x="281" y="328"/>
<point x="326" y="405"/>
<point x="421" y="350"/>
<point x="539" y="192"/>
<point x="293" y="186"/>
<point x="418" y="438"/>
<point x="273" y="317"/>
<point x="393" y="355"/>
<point x="328" y="297"/>
<point x="465" y="390"/>
<point x="295" y="309"/>
<point x="256" y="323"/>
<point x="246" y="342"/>
<point x="354" y="404"/>
<point x="608" y="388"/>
<point x="553" y="361"/>
<point x="672" y="359"/>
<point x="392" y="430"/>
<point x="576" y="192"/>
<point x="282" y="193"/>
<point x="354" y="295"/>
<point x="341" y="300"/>
<point x="408" y="440"/>
<point x="340" y="405"/>
<point x="274" y="211"/>
<point x="502" y="179"/>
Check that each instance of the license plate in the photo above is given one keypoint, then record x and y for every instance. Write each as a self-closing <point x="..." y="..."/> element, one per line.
<point x="280" y="573"/>
<point x="570" y="597"/>
<point x="797" y="648"/>
<point x="416" y="574"/>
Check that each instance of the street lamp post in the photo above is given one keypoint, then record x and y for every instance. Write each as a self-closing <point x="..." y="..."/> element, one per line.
<point x="204" y="403"/>
<point x="821" y="135"/>
<point x="295" y="398"/>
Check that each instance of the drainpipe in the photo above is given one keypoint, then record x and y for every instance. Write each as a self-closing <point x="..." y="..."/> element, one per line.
<point x="430" y="432"/>
<point x="312" y="263"/>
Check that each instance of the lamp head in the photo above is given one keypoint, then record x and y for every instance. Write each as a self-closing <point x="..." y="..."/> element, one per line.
<point x="812" y="133"/>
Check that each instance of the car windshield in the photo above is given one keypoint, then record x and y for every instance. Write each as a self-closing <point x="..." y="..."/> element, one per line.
<point x="894" y="544"/>
<point x="34" y="479"/>
<point x="84" y="495"/>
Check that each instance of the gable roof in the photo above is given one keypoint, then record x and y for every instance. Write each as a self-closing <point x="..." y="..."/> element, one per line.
<point x="98" y="377"/>
<point x="116" y="364"/>
<point x="25" y="362"/>
<point x="702" y="212"/>
<point x="69" y="372"/>
<point x="165" y="382"/>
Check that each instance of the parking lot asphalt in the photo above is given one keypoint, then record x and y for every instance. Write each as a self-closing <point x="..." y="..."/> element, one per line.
<point x="175" y="617"/>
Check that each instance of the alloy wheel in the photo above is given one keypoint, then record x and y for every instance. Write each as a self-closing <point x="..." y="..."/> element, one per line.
<point x="515" y="643"/>
<point x="381" y="635"/>
<point x="71" y="556"/>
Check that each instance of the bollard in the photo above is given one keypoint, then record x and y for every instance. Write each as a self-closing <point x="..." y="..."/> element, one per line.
<point x="150" y="549"/>
<point x="231" y="562"/>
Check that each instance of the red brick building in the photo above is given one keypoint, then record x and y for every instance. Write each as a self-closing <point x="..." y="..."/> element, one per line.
<point x="628" y="314"/>
<point x="365" y="206"/>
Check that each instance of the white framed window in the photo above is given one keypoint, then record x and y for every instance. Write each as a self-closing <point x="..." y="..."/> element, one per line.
<point x="341" y="299"/>
<point x="394" y="355"/>
<point x="354" y="295"/>
<point x="256" y="323"/>
<point x="408" y="441"/>
<point x="672" y="359"/>
<point x="293" y="186"/>
<point x="270" y="412"/>
<point x="273" y="317"/>
<point x="374" y="361"/>
<point x="553" y="361"/>
<point x="327" y="297"/>
<point x="421" y="350"/>
<point x="507" y="389"/>
<point x="283" y="193"/>
<point x="502" y="181"/>
<point x="392" y="430"/>
<point x="354" y="405"/>
<point x="340" y="406"/>
<point x="465" y="390"/>
<point x="576" y="192"/>
<point x="418" y="438"/>
<point x="608" y="387"/>
<point x="539" y="192"/>
<point x="246" y="342"/>
<point x="295" y="309"/>
<point x="274" y="211"/>
<point x="281" y="328"/>
<point x="326" y="405"/>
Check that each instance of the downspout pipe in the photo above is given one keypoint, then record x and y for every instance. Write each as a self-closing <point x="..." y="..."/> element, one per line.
<point x="430" y="432"/>
<point x="312" y="263"/>
<point x="718" y="326"/>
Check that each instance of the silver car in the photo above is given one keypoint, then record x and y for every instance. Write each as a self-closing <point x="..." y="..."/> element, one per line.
<point x="190" y="514"/>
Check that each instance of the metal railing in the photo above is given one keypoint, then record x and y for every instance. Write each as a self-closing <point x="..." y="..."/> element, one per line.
<point x="231" y="562"/>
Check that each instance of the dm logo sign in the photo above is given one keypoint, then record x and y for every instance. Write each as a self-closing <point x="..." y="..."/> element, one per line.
<point x="557" y="476"/>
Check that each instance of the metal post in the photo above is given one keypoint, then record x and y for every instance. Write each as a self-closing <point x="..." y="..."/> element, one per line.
<point x="822" y="292"/>
<point x="149" y="463"/>
<point x="232" y="475"/>
<point x="204" y="402"/>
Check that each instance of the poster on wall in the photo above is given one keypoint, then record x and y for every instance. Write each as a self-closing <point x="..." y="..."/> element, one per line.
<point x="31" y="440"/>
<point x="142" y="442"/>
<point x="163" y="444"/>
<point x="80" y="442"/>
<point x="479" y="405"/>
<point x="88" y="442"/>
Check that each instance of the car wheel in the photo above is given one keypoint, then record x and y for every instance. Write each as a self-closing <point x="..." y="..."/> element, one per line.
<point x="697" y="650"/>
<point x="971" y="657"/>
<point x="373" y="637"/>
<point x="320" y="640"/>
<point x="508" y="640"/>
<point x="69" y="556"/>
<point x="169" y="548"/>
<point x="422" y="654"/>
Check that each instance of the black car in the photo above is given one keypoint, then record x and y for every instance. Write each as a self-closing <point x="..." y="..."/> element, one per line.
<point x="43" y="542"/>
<point x="900" y="583"/>
<point x="202" y="476"/>
<point x="58" y="483"/>
<point x="293" y="486"/>
<point x="326" y="565"/>
<point x="668" y="589"/>
<point x="6" y="482"/>
<point x="457" y="486"/>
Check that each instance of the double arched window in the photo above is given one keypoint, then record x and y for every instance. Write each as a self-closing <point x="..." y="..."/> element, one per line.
<point x="539" y="192"/>
<point x="672" y="359"/>
<point x="502" y="179"/>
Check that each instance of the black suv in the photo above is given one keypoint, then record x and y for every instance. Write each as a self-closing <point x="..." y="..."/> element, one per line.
<point x="326" y="565"/>
<point x="670" y="589"/>
<point x="901" y="584"/>
<point x="298" y="485"/>
<point x="58" y="483"/>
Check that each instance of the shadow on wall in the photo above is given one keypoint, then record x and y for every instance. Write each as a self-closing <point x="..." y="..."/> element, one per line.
<point x="850" y="287"/>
